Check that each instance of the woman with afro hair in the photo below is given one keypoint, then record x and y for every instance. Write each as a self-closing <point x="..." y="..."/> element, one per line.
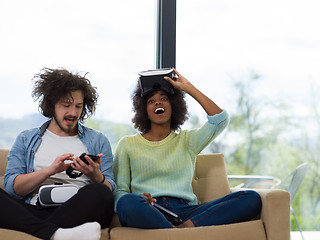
<point x="156" y="166"/>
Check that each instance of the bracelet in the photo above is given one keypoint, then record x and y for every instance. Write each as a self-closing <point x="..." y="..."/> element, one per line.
<point x="104" y="178"/>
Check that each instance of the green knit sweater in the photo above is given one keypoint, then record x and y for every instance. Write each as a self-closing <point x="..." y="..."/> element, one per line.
<point x="163" y="168"/>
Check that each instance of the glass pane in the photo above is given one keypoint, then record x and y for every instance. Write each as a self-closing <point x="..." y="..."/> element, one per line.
<point x="112" y="40"/>
<point x="260" y="61"/>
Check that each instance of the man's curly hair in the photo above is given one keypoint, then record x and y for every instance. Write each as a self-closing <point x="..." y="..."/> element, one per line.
<point x="141" y="120"/>
<point x="50" y="85"/>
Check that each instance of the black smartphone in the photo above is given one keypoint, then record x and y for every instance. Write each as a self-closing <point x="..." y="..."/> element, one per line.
<point x="176" y="219"/>
<point x="94" y="158"/>
<point x="72" y="173"/>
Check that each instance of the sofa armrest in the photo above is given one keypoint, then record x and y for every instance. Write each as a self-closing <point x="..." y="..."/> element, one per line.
<point x="3" y="164"/>
<point x="275" y="213"/>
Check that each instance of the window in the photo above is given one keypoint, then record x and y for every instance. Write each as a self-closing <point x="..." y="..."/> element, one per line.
<point x="257" y="59"/>
<point x="112" y="40"/>
<point x="260" y="61"/>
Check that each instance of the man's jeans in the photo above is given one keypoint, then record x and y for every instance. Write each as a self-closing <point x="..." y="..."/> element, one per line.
<point x="135" y="211"/>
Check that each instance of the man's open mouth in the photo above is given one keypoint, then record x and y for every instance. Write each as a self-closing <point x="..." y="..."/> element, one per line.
<point x="159" y="111"/>
<point x="70" y="120"/>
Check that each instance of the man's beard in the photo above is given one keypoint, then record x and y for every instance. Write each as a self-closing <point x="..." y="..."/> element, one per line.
<point x="69" y="130"/>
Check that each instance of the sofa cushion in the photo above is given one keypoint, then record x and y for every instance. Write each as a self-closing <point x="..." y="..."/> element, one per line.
<point x="3" y="164"/>
<point x="6" y="234"/>
<point x="210" y="180"/>
<point x="251" y="230"/>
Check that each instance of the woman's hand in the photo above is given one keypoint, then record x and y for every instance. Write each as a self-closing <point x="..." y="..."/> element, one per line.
<point x="183" y="84"/>
<point x="150" y="199"/>
<point x="179" y="82"/>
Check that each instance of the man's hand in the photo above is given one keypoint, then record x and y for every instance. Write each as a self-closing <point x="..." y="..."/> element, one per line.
<point x="92" y="170"/>
<point x="59" y="164"/>
<point x="26" y="183"/>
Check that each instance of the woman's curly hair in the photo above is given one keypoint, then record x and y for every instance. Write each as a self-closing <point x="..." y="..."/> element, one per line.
<point x="50" y="85"/>
<point x="141" y="120"/>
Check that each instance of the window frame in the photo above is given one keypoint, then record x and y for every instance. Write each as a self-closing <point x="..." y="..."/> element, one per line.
<point x="166" y="34"/>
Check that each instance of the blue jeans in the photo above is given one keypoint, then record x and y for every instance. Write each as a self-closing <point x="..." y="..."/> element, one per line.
<point x="134" y="210"/>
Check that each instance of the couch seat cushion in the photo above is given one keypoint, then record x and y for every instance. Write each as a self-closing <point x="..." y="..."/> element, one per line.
<point x="251" y="230"/>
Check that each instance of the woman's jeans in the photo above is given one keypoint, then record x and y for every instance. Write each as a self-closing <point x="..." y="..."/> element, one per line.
<point x="135" y="211"/>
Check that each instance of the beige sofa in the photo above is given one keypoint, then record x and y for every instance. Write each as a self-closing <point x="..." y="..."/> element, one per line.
<point x="210" y="182"/>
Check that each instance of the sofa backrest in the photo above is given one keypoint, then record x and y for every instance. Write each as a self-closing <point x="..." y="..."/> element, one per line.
<point x="3" y="164"/>
<point x="210" y="179"/>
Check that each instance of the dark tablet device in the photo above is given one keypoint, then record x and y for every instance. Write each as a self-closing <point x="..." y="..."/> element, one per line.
<point x="176" y="219"/>
<point x="152" y="80"/>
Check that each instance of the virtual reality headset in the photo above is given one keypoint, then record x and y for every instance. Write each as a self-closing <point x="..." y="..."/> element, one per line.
<point x="56" y="194"/>
<point x="152" y="80"/>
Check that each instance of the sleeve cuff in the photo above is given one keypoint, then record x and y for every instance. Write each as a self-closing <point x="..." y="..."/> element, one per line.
<point x="218" y="118"/>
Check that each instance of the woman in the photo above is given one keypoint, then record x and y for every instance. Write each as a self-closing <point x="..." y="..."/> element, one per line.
<point x="157" y="165"/>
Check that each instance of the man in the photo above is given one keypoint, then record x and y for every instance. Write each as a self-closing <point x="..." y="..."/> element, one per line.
<point x="41" y="156"/>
